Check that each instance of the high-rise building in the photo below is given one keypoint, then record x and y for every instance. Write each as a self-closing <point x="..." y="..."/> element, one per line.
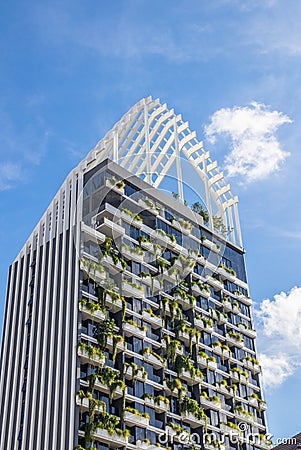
<point x="128" y="319"/>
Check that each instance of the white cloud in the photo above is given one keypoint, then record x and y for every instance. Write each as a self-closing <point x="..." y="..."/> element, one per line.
<point x="9" y="173"/>
<point x="281" y="317"/>
<point x="280" y="322"/>
<point x="275" y="369"/>
<point x="255" y="151"/>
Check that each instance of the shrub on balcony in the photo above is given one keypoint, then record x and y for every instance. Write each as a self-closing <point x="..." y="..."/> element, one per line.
<point x="235" y="336"/>
<point x="176" y="383"/>
<point x="136" y="412"/>
<point x="185" y="363"/>
<point x="191" y="406"/>
<point x="134" y="324"/>
<point x="91" y="350"/>
<point x="172" y="345"/>
<point x="134" y="216"/>
<point x="177" y="428"/>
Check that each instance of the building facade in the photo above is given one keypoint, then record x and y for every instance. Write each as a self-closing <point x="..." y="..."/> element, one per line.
<point x="128" y="320"/>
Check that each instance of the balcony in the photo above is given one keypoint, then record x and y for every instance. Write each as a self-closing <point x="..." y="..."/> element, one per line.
<point x="197" y="290"/>
<point x="186" y="302"/>
<point x="174" y="392"/>
<point x="191" y="381"/>
<point x="120" y="347"/>
<point x="113" y="440"/>
<point x="227" y="391"/>
<point x="134" y="420"/>
<point x="91" y="358"/>
<point x="247" y="331"/>
<point x="118" y="392"/>
<point x="234" y="341"/>
<point x="131" y="218"/>
<point x="83" y="403"/>
<point x="109" y="228"/>
<point x="217" y="284"/>
<point x="254" y="367"/>
<point x="208" y="403"/>
<point x="113" y="267"/>
<point x="239" y="377"/>
<point x="155" y="321"/>
<point x="181" y="436"/>
<point x="132" y="290"/>
<point x="155" y="360"/>
<point x="130" y="373"/>
<point x="159" y="406"/>
<point x="243" y="298"/>
<point x="219" y="316"/>
<point x="148" y="206"/>
<point x="133" y="330"/>
<point x="223" y="353"/>
<point x="227" y="275"/>
<point x="205" y="363"/>
<point x="203" y="325"/>
<point x="190" y="418"/>
<point x="132" y="253"/>
<point x="211" y="245"/>
<point x="112" y="304"/>
<point x="87" y="313"/>
<point x="185" y="337"/>
<point x="244" y="417"/>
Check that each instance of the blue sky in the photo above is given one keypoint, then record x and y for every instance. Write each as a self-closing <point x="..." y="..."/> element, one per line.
<point x="70" y="70"/>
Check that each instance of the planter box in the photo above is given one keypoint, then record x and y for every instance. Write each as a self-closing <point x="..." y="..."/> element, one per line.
<point x="111" y="439"/>
<point x="227" y="275"/>
<point x="217" y="285"/>
<point x="127" y="218"/>
<point x="113" y="306"/>
<point x="198" y="323"/>
<point x="192" y="420"/>
<point x="155" y="321"/>
<point x="181" y="228"/>
<point x="250" y="333"/>
<point x="128" y="374"/>
<point x="131" y="330"/>
<point x="131" y="291"/>
<point x="159" y="407"/>
<point x="99" y="316"/>
<point x="186" y="376"/>
<point x="211" y="245"/>
<point x="95" y="359"/>
<point x="209" y="404"/>
<point x="98" y="276"/>
<point x="183" y="336"/>
<point x="182" y="437"/>
<point x="242" y="298"/>
<point x="228" y="393"/>
<point x="227" y="306"/>
<point x="127" y="254"/>
<point x="132" y="420"/>
<point x="121" y="346"/>
<point x="114" y="268"/>
<point x="184" y="302"/>
<point x="239" y="378"/>
<point x="255" y="368"/>
<point x="118" y="393"/>
<point x="225" y="354"/>
<point x="232" y="342"/>
<point x="204" y="363"/>
<point x="154" y="361"/>
<point x="212" y="447"/>
<point x="146" y="207"/>
<point x="84" y="405"/>
<point x="244" y="417"/>
<point x="174" y="392"/>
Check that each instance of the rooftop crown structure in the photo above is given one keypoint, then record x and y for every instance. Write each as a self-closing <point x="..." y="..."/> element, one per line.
<point x="128" y="319"/>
